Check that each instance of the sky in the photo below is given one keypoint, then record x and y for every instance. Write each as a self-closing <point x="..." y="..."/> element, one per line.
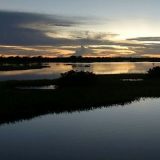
<point x="89" y="28"/>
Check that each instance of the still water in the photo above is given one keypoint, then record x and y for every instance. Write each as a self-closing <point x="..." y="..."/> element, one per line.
<point x="130" y="132"/>
<point x="98" y="68"/>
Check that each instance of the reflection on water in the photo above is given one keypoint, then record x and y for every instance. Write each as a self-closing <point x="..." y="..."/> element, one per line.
<point x="118" y="133"/>
<point x="50" y="87"/>
<point x="132" y="80"/>
<point x="44" y="73"/>
<point x="98" y="68"/>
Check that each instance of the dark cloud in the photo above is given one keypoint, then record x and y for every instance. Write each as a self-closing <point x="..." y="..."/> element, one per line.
<point x="146" y="39"/>
<point x="93" y="35"/>
<point x="83" y="51"/>
<point x="17" y="28"/>
<point x="149" y="49"/>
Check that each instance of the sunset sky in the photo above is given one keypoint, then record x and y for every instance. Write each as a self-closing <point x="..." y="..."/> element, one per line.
<point x="60" y="28"/>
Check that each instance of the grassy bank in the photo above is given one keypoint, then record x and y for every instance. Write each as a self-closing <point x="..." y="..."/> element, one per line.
<point x="16" y="104"/>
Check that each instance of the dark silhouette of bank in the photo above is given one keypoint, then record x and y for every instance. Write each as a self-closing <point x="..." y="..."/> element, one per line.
<point x="75" y="59"/>
<point x="92" y="92"/>
<point x="21" y="66"/>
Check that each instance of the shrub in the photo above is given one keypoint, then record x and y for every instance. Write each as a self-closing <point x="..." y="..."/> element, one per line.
<point x="73" y="78"/>
<point x="154" y="72"/>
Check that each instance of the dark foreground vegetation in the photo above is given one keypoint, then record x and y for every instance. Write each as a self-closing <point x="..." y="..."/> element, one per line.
<point x="104" y="90"/>
<point x="73" y="78"/>
<point x="154" y="72"/>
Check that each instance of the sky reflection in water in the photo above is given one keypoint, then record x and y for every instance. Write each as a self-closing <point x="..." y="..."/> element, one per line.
<point x="97" y="68"/>
<point x="122" y="132"/>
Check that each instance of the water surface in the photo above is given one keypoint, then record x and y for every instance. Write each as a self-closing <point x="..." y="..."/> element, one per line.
<point x="130" y="132"/>
<point x="98" y="68"/>
<point x="50" y="87"/>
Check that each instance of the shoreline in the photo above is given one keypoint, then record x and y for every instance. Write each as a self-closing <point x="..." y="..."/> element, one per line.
<point x="73" y="59"/>
<point x="20" y="67"/>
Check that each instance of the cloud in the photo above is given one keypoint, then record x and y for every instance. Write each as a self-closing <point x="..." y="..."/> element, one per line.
<point x="94" y="35"/>
<point x="19" y="28"/>
<point x="35" y="51"/>
<point x="146" y="39"/>
<point x="27" y="30"/>
<point x="149" y="46"/>
<point x="82" y="51"/>
<point x="149" y="49"/>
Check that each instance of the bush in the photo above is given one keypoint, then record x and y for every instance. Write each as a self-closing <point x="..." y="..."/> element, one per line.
<point x="73" y="78"/>
<point x="154" y="72"/>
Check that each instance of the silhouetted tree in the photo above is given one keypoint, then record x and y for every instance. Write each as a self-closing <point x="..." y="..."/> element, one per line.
<point x="154" y="72"/>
